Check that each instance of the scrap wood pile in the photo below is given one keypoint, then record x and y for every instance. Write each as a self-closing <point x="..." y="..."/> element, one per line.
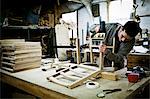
<point x="16" y="54"/>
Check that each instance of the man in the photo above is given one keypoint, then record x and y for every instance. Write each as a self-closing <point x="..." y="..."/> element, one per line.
<point x="124" y="42"/>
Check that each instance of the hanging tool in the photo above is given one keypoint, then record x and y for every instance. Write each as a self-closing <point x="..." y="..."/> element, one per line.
<point x="107" y="91"/>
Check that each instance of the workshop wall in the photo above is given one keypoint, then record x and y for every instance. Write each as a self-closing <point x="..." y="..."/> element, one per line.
<point x="84" y="17"/>
<point x="144" y="13"/>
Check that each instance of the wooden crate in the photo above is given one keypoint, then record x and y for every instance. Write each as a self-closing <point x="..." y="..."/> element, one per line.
<point x="138" y="60"/>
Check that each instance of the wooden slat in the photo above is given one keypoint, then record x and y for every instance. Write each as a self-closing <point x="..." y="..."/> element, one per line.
<point x="58" y="81"/>
<point x="8" y="53"/>
<point x="79" y="82"/>
<point x="28" y="55"/>
<point x="79" y="73"/>
<point x="78" y="51"/>
<point x="8" y="58"/>
<point x="6" y="63"/>
<point x="101" y="60"/>
<point x="69" y="76"/>
<point x="8" y="69"/>
<point x="27" y="60"/>
<point x="88" y="67"/>
<point x="27" y="51"/>
<point x="27" y="65"/>
<point x="11" y="41"/>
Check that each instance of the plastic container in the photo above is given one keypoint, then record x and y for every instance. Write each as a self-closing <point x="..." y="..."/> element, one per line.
<point x="133" y="77"/>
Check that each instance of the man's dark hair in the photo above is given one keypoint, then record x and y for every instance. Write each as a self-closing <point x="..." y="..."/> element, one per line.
<point x="132" y="28"/>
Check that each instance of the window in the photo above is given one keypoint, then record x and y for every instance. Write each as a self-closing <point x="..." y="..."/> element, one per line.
<point x="120" y="10"/>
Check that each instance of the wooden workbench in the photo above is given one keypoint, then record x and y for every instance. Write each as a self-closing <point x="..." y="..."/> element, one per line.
<point x="34" y="81"/>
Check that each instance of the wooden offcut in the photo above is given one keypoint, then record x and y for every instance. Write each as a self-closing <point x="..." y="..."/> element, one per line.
<point x="109" y="76"/>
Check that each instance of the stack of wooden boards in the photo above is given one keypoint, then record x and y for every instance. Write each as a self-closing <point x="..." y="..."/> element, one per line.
<point x="16" y="54"/>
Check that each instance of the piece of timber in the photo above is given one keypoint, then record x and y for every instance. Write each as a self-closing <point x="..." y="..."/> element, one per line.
<point x="20" y="67"/>
<point x="21" y="60"/>
<point x="88" y="67"/>
<point x="8" y="69"/>
<point x="70" y="76"/>
<point x="80" y="81"/>
<point x="22" y="56"/>
<point x="13" y="52"/>
<point x="28" y="60"/>
<point x="5" y="41"/>
<point x="109" y="75"/>
<point x="78" y="51"/>
<point x="6" y="63"/>
<point x="23" y="47"/>
<point x="101" y="60"/>
<point x="8" y="53"/>
<point x="27" y="51"/>
<point x="27" y="65"/>
<point x="77" y="72"/>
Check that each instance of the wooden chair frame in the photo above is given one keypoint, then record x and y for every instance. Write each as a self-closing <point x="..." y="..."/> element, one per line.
<point x="101" y="56"/>
<point x="75" y="80"/>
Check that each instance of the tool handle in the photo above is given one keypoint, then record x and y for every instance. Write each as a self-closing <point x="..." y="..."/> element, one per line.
<point x="111" y="91"/>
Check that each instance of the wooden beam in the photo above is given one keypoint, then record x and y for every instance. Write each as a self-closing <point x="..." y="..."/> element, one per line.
<point x="109" y="76"/>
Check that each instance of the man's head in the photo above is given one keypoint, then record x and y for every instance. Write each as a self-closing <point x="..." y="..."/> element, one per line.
<point x="129" y="31"/>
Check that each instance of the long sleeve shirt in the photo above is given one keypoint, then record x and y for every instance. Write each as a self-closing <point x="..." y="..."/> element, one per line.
<point x="121" y="48"/>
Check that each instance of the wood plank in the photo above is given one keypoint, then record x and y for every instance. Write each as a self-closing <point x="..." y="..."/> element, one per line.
<point x="27" y="55"/>
<point x="22" y="59"/>
<point x="8" y="69"/>
<point x="101" y="59"/>
<point x="21" y="66"/>
<point x="27" y="66"/>
<point x="14" y="48"/>
<point x="78" y="51"/>
<point x="79" y="82"/>
<point x="79" y="73"/>
<point x="69" y="76"/>
<point x="58" y="81"/>
<point x="109" y="76"/>
<point x="88" y="67"/>
<point x="8" y="53"/>
<point x="28" y="60"/>
<point x="27" y="51"/>
<point x="11" y="48"/>
<point x="6" y="63"/>
<point x="8" y="58"/>
<point x="11" y="40"/>
<point x="12" y="53"/>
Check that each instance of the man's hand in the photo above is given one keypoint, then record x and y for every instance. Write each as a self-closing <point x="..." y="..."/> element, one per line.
<point x="102" y="48"/>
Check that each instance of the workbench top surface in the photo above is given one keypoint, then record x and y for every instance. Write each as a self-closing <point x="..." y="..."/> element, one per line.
<point x="38" y="78"/>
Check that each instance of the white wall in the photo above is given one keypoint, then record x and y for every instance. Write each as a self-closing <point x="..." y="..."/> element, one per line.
<point x="144" y="10"/>
<point x="84" y="18"/>
<point x="141" y="10"/>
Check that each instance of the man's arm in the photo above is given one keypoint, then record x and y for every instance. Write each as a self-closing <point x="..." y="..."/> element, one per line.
<point x="118" y="57"/>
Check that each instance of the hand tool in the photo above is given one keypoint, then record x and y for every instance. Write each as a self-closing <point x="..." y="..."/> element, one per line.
<point x="107" y="91"/>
